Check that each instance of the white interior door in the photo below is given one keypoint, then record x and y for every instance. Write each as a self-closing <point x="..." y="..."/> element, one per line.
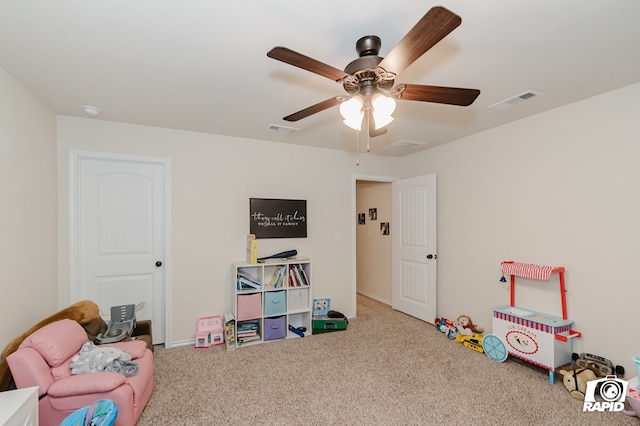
<point x="120" y="235"/>
<point x="414" y="247"/>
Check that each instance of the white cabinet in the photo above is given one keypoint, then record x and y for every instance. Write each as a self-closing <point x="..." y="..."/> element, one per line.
<point x="271" y="298"/>
<point x="19" y="407"/>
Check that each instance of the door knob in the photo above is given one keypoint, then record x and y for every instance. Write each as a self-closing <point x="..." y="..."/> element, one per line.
<point x="432" y="256"/>
<point x="158" y="264"/>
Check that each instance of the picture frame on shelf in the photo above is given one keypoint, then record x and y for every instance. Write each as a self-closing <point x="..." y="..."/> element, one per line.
<point x="321" y="306"/>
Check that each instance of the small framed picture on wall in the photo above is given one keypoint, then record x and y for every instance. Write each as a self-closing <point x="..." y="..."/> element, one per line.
<point x="384" y="228"/>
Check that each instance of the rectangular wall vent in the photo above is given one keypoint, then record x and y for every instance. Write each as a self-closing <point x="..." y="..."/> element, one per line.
<point x="282" y="129"/>
<point x="404" y="145"/>
<point x="516" y="100"/>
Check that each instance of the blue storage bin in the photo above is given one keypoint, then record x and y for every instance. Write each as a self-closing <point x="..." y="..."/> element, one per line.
<point x="275" y="328"/>
<point x="275" y="303"/>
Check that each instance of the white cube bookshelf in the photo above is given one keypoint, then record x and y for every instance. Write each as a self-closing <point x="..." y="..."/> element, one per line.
<point x="270" y="297"/>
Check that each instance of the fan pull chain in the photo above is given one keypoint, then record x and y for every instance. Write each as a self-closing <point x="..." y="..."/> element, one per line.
<point x="357" y="148"/>
<point x="368" y="131"/>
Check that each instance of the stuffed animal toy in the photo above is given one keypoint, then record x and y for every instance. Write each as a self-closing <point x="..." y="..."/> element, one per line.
<point x="575" y="380"/>
<point x="447" y="327"/>
<point x="465" y="326"/>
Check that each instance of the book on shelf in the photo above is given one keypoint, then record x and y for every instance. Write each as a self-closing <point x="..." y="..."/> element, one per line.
<point x="247" y="282"/>
<point x="282" y="271"/>
<point x="292" y="278"/>
<point x="248" y="276"/>
<point x="229" y="331"/>
<point x="247" y="325"/>
<point x="248" y="331"/>
<point x="278" y="277"/>
<point x="304" y="276"/>
<point x="274" y="278"/>
<point x="297" y="276"/>
<point x="296" y="273"/>
<point x="301" y="275"/>
<point x="248" y="339"/>
<point x="252" y="249"/>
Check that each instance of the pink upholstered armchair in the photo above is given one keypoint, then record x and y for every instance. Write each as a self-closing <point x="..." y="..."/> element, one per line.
<point x="43" y="359"/>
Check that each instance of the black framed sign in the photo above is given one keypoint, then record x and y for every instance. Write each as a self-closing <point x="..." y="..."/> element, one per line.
<point x="277" y="218"/>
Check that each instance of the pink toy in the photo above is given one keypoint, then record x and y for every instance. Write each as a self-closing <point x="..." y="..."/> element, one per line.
<point x="633" y="398"/>
<point x="210" y="331"/>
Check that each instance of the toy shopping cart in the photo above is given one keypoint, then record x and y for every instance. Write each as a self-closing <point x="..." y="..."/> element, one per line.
<point x="535" y="337"/>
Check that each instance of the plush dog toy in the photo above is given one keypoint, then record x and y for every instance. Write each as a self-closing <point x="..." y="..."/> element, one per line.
<point x="465" y="326"/>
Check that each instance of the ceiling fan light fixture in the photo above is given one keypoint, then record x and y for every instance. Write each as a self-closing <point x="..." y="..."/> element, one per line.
<point x="383" y="107"/>
<point x="352" y="112"/>
<point x="381" y="120"/>
<point x="354" y="122"/>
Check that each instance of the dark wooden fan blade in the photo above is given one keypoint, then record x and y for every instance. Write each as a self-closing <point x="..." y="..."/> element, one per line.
<point x="312" y="109"/>
<point x="372" y="127"/>
<point x="438" y="94"/>
<point x="433" y="27"/>
<point x="299" y="60"/>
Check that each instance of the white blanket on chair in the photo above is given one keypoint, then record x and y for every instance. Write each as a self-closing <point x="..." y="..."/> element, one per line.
<point x="92" y="359"/>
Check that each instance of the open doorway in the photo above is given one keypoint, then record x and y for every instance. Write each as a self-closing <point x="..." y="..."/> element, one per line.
<point x="372" y="234"/>
<point x="407" y="267"/>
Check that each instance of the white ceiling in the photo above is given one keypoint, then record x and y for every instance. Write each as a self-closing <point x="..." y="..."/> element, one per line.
<point x="201" y="65"/>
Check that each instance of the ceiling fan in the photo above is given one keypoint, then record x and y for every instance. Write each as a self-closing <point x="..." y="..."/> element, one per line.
<point x="369" y="80"/>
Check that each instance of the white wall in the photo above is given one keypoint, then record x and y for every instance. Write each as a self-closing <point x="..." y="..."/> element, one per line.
<point x="28" y="256"/>
<point x="561" y="188"/>
<point x="373" y="250"/>
<point x="213" y="178"/>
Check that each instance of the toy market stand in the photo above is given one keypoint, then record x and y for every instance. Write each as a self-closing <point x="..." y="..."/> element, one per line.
<point x="535" y="337"/>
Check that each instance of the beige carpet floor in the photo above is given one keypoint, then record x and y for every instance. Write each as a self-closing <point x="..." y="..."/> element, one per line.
<point x="387" y="368"/>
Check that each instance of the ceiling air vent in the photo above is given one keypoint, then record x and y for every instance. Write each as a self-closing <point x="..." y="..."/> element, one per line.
<point x="404" y="145"/>
<point x="516" y="100"/>
<point x="282" y="129"/>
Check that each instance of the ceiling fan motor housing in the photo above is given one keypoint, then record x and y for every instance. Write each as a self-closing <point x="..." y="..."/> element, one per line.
<point x="363" y="68"/>
<point x="364" y="63"/>
<point x="368" y="45"/>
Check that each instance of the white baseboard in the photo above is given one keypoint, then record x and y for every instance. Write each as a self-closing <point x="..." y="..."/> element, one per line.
<point x="183" y="343"/>
<point x="373" y="296"/>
